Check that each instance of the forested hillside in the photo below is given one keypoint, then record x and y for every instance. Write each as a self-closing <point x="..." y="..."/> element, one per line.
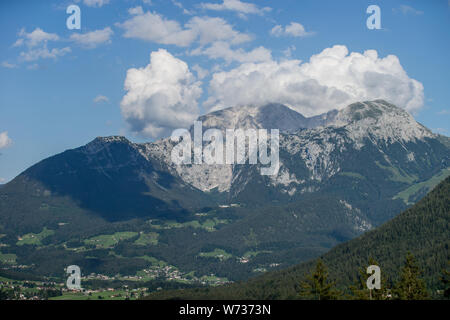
<point x="422" y="230"/>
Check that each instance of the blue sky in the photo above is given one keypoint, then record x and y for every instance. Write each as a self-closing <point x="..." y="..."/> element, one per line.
<point x="61" y="88"/>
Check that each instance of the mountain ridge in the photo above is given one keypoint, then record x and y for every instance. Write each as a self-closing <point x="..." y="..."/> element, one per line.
<point x="334" y="183"/>
<point x="309" y="157"/>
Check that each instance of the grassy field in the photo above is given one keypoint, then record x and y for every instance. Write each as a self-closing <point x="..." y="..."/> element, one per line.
<point x="352" y="175"/>
<point x="250" y="254"/>
<point x="208" y="225"/>
<point x="213" y="279"/>
<point x="109" y="240"/>
<point x="106" y="295"/>
<point x="397" y="174"/>
<point x="150" y="238"/>
<point x="9" y="258"/>
<point x="429" y="184"/>
<point x="154" y="261"/>
<point x="34" y="238"/>
<point x="217" y="253"/>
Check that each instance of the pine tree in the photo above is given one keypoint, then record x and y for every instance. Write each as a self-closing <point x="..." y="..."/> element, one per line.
<point x="317" y="286"/>
<point x="3" y="294"/>
<point x="445" y="279"/>
<point x="360" y="290"/>
<point x="410" y="286"/>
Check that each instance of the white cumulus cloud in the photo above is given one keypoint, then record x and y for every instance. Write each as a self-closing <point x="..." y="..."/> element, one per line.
<point x="405" y="9"/>
<point x="154" y="27"/>
<point x="161" y="96"/>
<point x="101" y="98"/>
<point x="222" y="50"/>
<point x="294" y="29"/>
<point x="136" y="10"/>
<point x="331" y="79"/>
<point x="44" y="53"/>
<point x="36" y="43"/>
<point x="201" y="72"/>
<point x="180" y="5"/>
<point x="34" y="38"/>
<point x="235" y="5"/>
<point x="93" y="39"/>
<point x="5" y="141"/>
<point x="95" y="3"/>
<point x="210" y="29"/>
<point x="6" y="64"/>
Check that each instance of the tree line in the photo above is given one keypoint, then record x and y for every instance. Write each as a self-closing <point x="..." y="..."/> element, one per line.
<point x="409" y="286"/>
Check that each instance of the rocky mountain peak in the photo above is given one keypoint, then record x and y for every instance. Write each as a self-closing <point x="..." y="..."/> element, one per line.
<point x="269" y="116"/>
<point x="379" y="120"/>
<point x="100" y="143"/>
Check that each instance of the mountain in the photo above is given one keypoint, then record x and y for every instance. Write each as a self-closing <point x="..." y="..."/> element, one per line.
<point x="272" y="115"/>
<point x="341" y="174"/>
<point x="422" y="230"/>
<point x="367" y="153"/>
<point x="109" y="176"/>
